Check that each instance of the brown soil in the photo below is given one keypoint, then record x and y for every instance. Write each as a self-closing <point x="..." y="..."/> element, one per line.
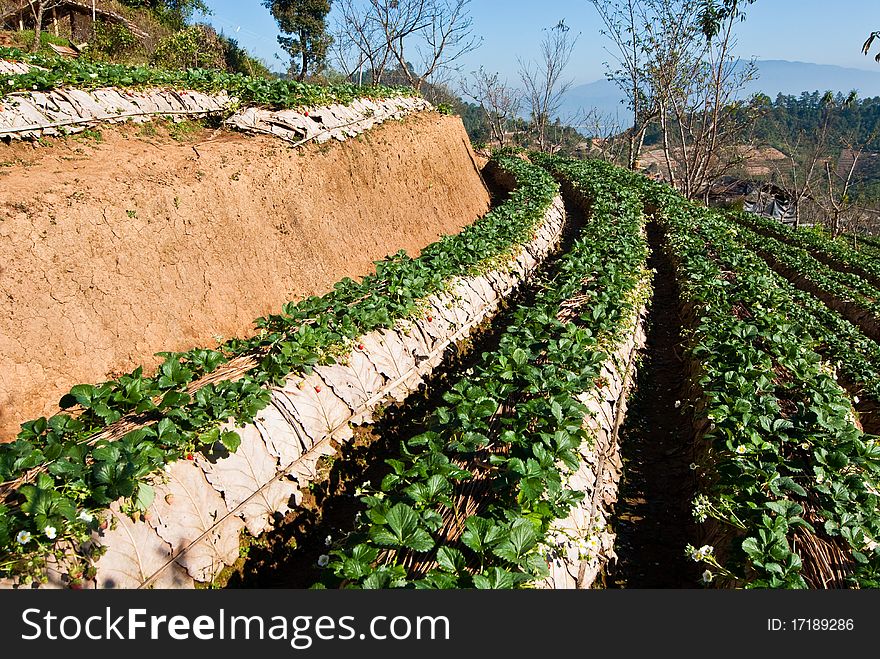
<point x="112" y="250"/>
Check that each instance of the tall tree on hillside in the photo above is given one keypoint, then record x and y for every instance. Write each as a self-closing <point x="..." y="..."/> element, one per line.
<point x="625" y="25"/>
<point x="697" y="82"/>
<point x="303" y="24"/>
<point x="676" y="66"/>
<point x="713" y="14"/>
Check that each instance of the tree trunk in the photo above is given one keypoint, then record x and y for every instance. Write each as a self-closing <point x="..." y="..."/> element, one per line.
<point x="38" y="27"/>
<point x="667" y="153"/>
<point x="632" y="158"/>
<point x="304" y="69"/>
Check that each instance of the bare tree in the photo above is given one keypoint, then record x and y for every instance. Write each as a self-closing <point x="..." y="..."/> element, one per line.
<point x="696" y="82"/>
<point x="39" y="9"/>
<point x="447" y="38"/>
<point x="837" y="201"/>
<point x="806" y="150"/>
<point x="542" y="80"/>
<point x="674" y="62"/>
<point x="395" y="21"/>
<point x="841" y="173"/>
<point x="625" y="24"/>
<point x="606" y="138"/>
<point x="344" y="55"/>
<point x="499" y="101"/>
<point x="361" y="41"/>
<point x="436" y="33"/>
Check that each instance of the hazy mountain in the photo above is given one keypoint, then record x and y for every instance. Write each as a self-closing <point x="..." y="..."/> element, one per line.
<point x="774" y="77"/>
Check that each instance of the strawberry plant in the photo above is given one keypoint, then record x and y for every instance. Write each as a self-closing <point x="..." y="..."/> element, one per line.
<point x="56" y="73"/>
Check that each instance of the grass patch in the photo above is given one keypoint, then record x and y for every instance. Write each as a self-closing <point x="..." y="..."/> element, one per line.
<point x="185" y="130"/>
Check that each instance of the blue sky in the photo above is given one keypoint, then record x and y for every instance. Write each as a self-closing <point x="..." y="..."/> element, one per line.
<point x="802" y="30"/>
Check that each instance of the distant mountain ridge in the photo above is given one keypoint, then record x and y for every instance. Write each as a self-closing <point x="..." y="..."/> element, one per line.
<point x="774" y="77"/>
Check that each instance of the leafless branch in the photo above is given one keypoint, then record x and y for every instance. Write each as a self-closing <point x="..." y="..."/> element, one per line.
<point x="542" y="80"/>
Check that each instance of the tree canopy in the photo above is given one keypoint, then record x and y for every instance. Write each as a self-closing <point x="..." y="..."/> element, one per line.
<point x="714" y="12"/>
<point x="303" y="26"/>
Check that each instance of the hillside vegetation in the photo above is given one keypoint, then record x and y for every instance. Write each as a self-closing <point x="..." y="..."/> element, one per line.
<point x="149" y="32"/>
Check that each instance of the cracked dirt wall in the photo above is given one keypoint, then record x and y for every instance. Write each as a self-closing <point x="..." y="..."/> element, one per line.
<point x="112" y="251"/>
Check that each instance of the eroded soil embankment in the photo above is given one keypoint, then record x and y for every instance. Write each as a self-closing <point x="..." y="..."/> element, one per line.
<point x="113" y="251"/>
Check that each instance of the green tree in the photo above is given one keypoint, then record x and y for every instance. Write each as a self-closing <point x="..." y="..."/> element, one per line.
<point x="303" y="25"/>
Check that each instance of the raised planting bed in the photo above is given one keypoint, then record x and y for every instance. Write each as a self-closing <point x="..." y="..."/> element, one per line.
<point x="50" y="73"/>
<point x="511" y="482"/>
<point x="47" y="96"/>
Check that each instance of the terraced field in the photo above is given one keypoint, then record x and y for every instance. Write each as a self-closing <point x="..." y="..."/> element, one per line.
<point x="596" y="384"/>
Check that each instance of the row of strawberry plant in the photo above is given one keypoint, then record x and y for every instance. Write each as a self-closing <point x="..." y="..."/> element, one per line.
<point x="867" y="247"/>
<point x="78" y="475"/>
<point x="55" y="73"/>
<point x="848" y="293"/>
<point x="785" y="469"/>
<point x="468" y="502"/>
<point x="862" y="242"/>
<point x="835" y="253"/>
<point x="856" y="356"/>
